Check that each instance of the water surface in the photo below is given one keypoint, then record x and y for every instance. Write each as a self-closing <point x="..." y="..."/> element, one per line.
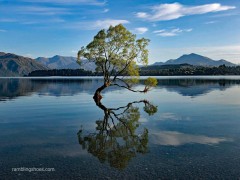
<point x="187" y="127"/>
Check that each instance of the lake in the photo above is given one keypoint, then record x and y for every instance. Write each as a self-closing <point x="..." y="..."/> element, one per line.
<point x="185" y="128"/>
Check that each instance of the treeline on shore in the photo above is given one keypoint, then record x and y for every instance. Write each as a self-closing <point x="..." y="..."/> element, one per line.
<point x="62" y="72"/>
<point x="185" y="69"/>
<point x="164" y="70"/>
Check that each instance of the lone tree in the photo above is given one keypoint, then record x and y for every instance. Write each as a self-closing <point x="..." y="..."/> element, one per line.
<point x="116" y="52"/>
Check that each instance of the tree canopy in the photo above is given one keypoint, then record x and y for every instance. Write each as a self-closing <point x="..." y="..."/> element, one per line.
<point x="116" y="52"/>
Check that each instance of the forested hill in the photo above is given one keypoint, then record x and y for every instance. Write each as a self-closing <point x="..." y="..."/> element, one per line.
<point x="186" y="69"/>
<point x="164" y="70"/>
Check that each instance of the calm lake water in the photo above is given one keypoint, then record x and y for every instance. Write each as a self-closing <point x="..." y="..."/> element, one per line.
<point x="185" y="128"/>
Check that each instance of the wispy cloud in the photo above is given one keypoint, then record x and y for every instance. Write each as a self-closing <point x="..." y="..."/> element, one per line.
<point x="41" y="10"/>
<point x="99" y="24"/>
<point x="140" y="30"/>
<point x="172" y="32"/>
<point x="172" y="11"/>
<point x="42" y="21"/>
<point x="70" y="2"/>
<point x="3" y="30"/>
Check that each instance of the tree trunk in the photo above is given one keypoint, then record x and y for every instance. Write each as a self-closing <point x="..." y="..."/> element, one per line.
<point x="97" y="96"/>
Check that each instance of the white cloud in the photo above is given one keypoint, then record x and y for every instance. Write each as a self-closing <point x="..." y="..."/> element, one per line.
<point x="99" y="24"/>
<point x="172" y="11"/>
<point x="69" y="2"/>
<point x="140" y="30"/>
<point x="108" y="22"/>
<point x="142" y="15"/>
<point x="105" y="10"/>
<point x="3" y="30"/>
<point x="170" y="33"/>
<point x="173" y="138"/>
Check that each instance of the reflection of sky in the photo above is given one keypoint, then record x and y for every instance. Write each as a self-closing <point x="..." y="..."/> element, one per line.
<point x="42" y="122"/>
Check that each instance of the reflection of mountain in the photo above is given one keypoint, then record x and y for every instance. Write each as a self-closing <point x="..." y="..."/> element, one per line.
<point x="12" y="88"/>
<point x="195" y="87"/>
<point x="67" y="87"/>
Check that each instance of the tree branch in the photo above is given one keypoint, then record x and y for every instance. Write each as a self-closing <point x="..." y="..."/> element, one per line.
<point x="143" y="91"/>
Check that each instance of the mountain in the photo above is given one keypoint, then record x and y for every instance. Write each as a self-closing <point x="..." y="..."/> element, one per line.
<point x="64" y="62"/>
<point x="196" y="60"/>
<point x="15" y="65"/>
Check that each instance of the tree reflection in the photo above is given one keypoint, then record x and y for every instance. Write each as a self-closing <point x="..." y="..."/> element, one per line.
<point x="117" y="139"/>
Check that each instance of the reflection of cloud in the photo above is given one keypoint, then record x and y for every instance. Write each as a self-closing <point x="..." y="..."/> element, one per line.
<point x="169" y="116"/>
<point x="173" y="138"/>
<point x="143" y="120"/>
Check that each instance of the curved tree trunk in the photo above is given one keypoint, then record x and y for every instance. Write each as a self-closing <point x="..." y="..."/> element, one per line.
<point x="97" y="96"/>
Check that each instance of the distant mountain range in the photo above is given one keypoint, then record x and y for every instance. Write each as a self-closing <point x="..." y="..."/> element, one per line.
<point x="14" y="65"/>
<point x="195" y="60"/>
<point x="64" y="62"/>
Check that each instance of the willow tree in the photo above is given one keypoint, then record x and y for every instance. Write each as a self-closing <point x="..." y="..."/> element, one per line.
<point x="116" y="53"/>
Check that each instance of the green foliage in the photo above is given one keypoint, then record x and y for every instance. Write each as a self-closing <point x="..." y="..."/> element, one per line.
<point x="150" y="109"/>
<point x="150" y="82"/>
<point x="115" y="52"/>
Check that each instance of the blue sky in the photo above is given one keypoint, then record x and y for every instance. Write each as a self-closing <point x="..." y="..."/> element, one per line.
<point x="49" y="27"/>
